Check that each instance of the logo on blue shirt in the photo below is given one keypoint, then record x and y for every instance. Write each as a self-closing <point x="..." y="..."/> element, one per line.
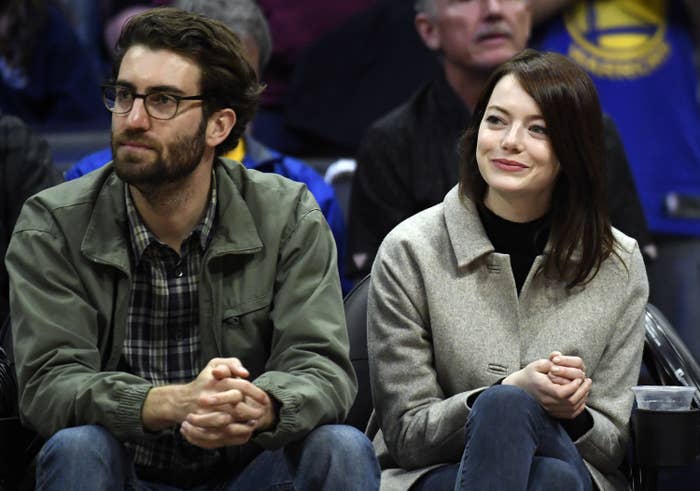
<point x="621" y="39"/>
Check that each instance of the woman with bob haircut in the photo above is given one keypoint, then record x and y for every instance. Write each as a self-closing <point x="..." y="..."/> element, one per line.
<point x="505" y="325"/>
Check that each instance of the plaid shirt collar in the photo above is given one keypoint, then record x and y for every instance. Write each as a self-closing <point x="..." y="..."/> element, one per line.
<point x="141" y="237"/>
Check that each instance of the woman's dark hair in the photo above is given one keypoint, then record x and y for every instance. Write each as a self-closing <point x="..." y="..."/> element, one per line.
<point x="227" y="80"/>
<point x="580" y="234"/>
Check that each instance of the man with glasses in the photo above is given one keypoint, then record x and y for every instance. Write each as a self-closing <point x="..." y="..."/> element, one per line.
<point x="178" y="321"/>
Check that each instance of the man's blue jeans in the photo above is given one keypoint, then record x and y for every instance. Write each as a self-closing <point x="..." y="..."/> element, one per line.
<point x="331" y="457"/>
<point x="512" y="444"/>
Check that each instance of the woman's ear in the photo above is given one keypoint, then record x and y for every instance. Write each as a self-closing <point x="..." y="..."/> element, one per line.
<point x="219" y="126"/>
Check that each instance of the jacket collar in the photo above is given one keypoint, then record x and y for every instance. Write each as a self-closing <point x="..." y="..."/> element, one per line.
<point x="464" y="229"/>
<point x="467" y="234"/>
<point x="106" y="239"/>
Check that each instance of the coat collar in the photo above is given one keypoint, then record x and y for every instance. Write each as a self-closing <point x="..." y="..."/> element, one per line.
<point x="464" y="229"/>
<point x="106" y="237"/>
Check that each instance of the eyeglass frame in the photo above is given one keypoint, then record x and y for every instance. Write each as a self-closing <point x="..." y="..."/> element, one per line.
<point x="136" y="95"/>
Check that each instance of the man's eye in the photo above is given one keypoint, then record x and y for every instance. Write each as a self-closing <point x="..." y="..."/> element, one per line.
<point x="123" y="94"/>
<point x="161" y="99"/>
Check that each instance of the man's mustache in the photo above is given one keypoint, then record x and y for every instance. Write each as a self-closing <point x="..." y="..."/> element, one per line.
<point x="135" y="138"/>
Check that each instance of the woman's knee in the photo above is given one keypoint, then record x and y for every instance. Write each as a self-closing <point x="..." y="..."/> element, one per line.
<point x="498" y="399"/>
<point x="553" y="474"/>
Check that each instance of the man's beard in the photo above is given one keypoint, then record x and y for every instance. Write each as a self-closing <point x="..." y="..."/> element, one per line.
<point x="184" y="156"/>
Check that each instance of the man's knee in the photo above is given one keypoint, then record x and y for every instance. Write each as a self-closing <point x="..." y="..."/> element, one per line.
<point x="343" y="439"/>
<point x="79" y="441"/>
<point x="334" y="457"/>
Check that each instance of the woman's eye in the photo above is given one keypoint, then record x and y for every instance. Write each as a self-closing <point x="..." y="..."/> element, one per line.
<point x="540" y="130"/>
<point x="491" y="119"/>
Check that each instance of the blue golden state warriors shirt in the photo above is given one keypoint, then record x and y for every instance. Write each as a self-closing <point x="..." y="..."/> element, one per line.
<point x="639" y="53"/>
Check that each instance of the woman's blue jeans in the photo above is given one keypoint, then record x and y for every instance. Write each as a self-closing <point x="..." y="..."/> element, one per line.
<point x="512" y="444"/>
<point x="332" y="457"/>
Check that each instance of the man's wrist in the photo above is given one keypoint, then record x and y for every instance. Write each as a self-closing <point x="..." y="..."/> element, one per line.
<point x="271" y="416"/>
<point x="164" y="406"/>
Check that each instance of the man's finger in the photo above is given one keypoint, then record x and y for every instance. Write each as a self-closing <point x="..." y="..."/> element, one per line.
<point x="232" y="434"/>
<point x="215" y="419"/>
<point x="228" y="367"/>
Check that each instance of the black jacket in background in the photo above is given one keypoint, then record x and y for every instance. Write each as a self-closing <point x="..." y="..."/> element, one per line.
<point x="26" y="168"/>
<point x="408" y="161"/>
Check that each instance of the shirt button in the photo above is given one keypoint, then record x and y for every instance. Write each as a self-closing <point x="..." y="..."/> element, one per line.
<point x="179" y="273"/>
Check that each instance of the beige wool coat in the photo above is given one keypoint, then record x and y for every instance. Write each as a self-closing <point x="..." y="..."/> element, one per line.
<point x="445" y="321"/>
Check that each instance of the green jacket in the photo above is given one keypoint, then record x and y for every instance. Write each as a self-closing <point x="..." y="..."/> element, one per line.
<point x="269" y="295"/>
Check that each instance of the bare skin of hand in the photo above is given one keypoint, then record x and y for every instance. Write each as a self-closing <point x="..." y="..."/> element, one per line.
<point x="563" y="401"/>
<point x="565" y="368"/>
<point x="230" y="417"/>
<point x="223" y="379"/>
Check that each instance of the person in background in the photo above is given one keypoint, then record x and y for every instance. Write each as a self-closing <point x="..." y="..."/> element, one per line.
<point x="407" y="160"/>
<point x="117" y="12"/>
<point x="295" y="25"/>
<point x="506" y="324"/>
<point x="46" y="77"/>
<point x="26" y="168"/>
<point x="178" y="321"/>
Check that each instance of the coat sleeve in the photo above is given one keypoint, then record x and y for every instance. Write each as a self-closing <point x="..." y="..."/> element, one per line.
<point x="56" y="338"/>
<point x="421" y="424"/>
<point x="610" y="400"/>
<point x="308" y="370"/>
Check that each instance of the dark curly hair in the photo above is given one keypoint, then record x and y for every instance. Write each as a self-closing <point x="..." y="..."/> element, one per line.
<point x="580" y="231"/>
<point x="227" y="80"/>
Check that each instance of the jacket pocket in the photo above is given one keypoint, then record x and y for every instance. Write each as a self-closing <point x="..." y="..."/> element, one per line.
<point x="247" y="334"/>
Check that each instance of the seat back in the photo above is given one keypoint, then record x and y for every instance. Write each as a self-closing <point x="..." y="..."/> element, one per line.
<point x="666" y="356"/>
<point x="356" y="319"/>
<point x="340" y="175"/>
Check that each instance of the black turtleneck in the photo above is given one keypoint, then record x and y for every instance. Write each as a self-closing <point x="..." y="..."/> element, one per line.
<point x="521" y="241"/>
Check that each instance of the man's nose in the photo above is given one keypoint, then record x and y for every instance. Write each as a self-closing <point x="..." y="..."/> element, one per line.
<point x="138" y="116"/>
<point x="493" y="6"/>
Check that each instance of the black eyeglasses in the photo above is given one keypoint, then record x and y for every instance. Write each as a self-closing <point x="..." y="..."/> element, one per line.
<point x="119" y="99"/>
